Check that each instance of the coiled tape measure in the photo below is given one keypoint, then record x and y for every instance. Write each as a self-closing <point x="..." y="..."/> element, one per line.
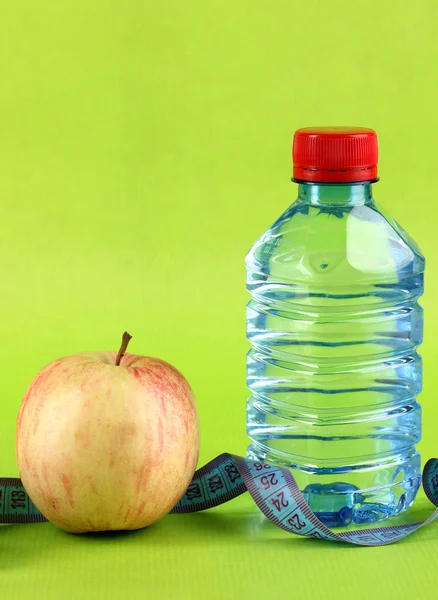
<point x="273" y="489"/>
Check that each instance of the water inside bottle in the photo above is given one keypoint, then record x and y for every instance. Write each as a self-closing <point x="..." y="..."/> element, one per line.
<point x="333" y="369"/>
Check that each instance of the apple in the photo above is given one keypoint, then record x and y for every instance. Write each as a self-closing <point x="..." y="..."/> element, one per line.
<point x="107" y="441"/>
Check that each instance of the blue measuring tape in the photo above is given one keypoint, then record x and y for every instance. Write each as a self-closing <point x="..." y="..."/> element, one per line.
<point x="273" y="489"/>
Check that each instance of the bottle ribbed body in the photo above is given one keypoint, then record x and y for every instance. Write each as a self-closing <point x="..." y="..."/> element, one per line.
<point x="334" y="323"/>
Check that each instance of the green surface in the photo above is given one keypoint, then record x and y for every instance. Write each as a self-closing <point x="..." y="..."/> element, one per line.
<point x="143" y="148"/>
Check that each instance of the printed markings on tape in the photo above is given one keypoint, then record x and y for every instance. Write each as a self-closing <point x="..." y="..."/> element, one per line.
<point x="273" y="489"/>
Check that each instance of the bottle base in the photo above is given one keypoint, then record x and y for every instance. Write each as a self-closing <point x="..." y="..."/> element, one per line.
<point x="358" y="506"/>
<point x="342" y="503"/>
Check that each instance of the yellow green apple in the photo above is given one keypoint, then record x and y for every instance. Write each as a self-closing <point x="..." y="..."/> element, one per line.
<point x="106" y="440"/>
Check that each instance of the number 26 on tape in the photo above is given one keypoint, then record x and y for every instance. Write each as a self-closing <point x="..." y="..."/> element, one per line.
<point x="259" y="466"/>
<point x="280" y="501"/>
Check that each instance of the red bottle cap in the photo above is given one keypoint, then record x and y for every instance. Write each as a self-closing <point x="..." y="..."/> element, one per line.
<point x="335" y="155"/>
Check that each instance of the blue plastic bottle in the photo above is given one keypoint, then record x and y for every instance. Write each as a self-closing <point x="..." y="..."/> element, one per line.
<point x="334" y="325"/>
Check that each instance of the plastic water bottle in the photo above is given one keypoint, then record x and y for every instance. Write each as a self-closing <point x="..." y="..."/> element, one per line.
<point x="334" y="325"/>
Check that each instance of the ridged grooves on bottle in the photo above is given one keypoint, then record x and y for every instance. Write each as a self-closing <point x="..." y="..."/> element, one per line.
<point x="367" y="370"/>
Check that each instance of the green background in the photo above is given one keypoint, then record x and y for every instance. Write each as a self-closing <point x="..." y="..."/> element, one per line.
<point x="144" y="146"/>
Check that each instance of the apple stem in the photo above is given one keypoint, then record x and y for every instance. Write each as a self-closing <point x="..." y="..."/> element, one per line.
<point x="125" y="341"/>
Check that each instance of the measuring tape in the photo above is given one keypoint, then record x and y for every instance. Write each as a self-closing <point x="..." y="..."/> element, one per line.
<point x="273" y="489"/>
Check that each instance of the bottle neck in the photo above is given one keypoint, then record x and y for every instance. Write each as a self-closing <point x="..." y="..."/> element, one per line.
<point x="345" y="194"/>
